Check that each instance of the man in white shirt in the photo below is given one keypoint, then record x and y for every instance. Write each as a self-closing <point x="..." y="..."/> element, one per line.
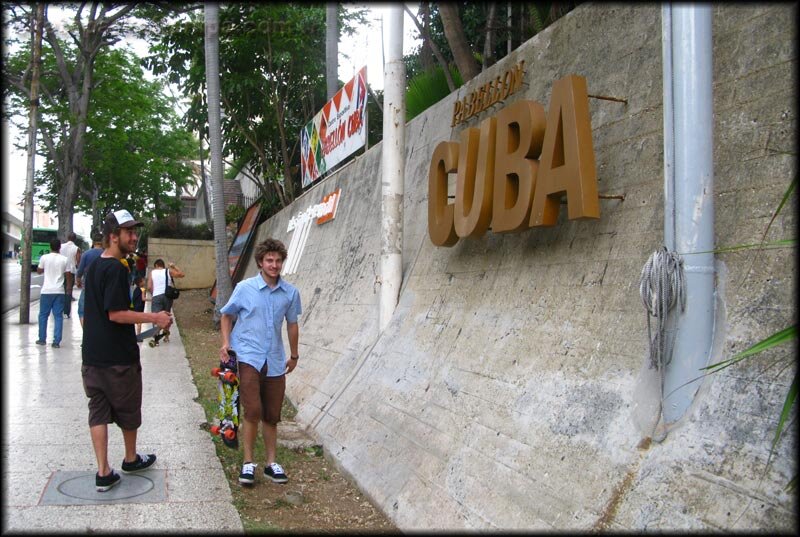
<point x="53" y="265"/>
<point x="71" y="251"/>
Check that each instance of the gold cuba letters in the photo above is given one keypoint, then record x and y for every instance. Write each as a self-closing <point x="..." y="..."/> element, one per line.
<point x="512" y="171"/>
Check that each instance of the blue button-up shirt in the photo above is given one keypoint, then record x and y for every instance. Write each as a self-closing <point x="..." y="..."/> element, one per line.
<point x="260" y="311"/>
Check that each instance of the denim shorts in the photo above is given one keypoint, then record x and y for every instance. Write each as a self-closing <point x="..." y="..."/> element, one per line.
<point x="81" y="302"/>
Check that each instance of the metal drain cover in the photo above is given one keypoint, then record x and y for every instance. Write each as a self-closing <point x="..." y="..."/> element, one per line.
<point x="77" y="488"/>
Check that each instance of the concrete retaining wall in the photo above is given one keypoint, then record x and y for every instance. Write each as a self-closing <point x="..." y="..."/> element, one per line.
<point x="510" y="389"/>
<point x="195" y="257"/>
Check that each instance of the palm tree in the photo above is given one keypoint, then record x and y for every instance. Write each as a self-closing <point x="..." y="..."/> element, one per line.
<point x="224" y="285"/>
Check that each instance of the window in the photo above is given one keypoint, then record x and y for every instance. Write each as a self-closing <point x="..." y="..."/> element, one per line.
<point x="189" y="209"/>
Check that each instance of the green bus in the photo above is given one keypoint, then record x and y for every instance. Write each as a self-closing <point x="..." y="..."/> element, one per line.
<point x="40" y="244"/>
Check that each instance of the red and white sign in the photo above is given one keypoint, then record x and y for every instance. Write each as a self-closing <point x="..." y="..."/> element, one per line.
<point x="337" y="131"/>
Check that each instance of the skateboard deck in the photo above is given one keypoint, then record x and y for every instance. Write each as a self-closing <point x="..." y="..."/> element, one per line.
<point x="152" y="333"/>
<point x="227" y="418"/>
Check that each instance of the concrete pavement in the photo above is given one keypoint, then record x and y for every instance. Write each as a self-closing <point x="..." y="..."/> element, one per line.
<point x="48" y="461"/>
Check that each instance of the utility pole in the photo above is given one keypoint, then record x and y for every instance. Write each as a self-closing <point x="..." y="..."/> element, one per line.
<point x="392" y="169"/>
<point x="27" y="250"/>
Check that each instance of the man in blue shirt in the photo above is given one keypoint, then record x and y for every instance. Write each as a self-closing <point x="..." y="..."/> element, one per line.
<point x="259" y="305"/>
<point x="86" y="260"/>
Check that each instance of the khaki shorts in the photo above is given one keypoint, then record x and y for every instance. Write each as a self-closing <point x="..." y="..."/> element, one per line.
<point x="115" y="395"/>
<point x="261" y="396"/>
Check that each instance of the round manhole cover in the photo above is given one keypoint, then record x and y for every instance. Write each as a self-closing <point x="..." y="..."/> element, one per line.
<point x="83" y="487"/>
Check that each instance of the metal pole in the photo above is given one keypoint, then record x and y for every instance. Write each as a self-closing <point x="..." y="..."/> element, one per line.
<point x="392" y="168"/>
<point x="692" y="72"/>
<point x="669" y="128"/>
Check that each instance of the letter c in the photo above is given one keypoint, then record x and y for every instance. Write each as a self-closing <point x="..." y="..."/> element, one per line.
<point x="441" y="226"/>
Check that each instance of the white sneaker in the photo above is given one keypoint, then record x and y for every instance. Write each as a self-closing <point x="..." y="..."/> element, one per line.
<point x="275" y="472"/>
<point x="248" y="475"/>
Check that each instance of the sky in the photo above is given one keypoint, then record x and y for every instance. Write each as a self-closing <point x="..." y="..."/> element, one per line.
<point x="363" y="48"/>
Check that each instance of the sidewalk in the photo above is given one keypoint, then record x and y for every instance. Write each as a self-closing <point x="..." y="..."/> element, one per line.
<point x="49" y="463"/>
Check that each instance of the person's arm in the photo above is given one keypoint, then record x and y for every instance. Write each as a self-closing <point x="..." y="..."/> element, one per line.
<point x="162" y="319"/>
<point x="225" y="326"/>
<point x="175" y="272"/>
<point x="293" y="331"/>
<point x="150" y="283"/>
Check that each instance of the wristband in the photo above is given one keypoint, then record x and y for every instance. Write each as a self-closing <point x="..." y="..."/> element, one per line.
<point x="293" y="357"/>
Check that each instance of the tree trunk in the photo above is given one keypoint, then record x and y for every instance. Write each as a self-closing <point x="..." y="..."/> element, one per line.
<point x="287" y="173"/>
<point x="439" y="57"/>
<point x="224" y="284"/>
<point x="77" y="80"/>
<point x="25" y="271"/>
<point x="454" y="32"/>
<point x="488" y="44"/>
<point x="331" y="49"/>
<point x="426" y="52"/>
<point x="204" y="187"/>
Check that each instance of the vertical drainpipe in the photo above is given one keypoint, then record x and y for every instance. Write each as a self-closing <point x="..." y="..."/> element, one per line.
<point x="392" y="167"/>
<point x="689" y="192"/>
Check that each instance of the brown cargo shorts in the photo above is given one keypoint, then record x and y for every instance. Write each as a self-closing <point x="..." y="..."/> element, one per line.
<point x="115" y="395"/>
<point x="261" y="396"/>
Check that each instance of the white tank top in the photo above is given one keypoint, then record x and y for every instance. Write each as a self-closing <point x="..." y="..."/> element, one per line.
<point x="159" y="281"/>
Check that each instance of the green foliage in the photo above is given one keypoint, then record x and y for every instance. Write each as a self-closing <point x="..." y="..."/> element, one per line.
<point x="781" y="337"/>
<point x="272" y="67"/>
<point x="234" y="213"/>
<point x="527" y="20"/>
<point x="134" y="148"/>
<point x="165" y="229"/>
<point x="428" y="88"/>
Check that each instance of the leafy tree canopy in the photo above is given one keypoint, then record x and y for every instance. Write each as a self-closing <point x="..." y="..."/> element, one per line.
<point x="135" y="150"/>
<point x="272" y="78"/>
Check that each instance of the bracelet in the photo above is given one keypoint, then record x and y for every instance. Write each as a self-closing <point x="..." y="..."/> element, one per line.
<point x="293" y="357"/>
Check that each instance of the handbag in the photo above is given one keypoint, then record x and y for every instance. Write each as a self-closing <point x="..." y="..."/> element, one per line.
<point x="171" y="292"/>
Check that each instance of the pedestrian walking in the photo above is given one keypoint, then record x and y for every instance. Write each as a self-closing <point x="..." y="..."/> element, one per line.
<point x="72" y="252"/>
<point x="161" y="276"/>
<point x="51" y="299"/>
<point x="259" y="305"/>
<point x="111" y="370"/>
<point x="86" y="260"/>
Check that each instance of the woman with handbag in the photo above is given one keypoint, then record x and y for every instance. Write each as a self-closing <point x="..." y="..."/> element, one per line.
<point x="161" y="286"/>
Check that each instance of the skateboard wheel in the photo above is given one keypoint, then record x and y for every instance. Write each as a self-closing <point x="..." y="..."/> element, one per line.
<point x="230" y="434"/>
<point x="215" y="372"/>
<point x="229" y="376"/>
<point x="215" y="430"/>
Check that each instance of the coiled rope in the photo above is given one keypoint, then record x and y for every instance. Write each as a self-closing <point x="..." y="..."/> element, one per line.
<point x="661" y="286"/>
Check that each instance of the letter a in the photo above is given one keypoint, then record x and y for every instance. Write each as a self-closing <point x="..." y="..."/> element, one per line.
<point x="567" y="163"/>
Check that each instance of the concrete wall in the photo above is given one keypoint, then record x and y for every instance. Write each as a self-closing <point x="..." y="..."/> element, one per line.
<point x="196" y="258"/>
<point x="511" y="388"/>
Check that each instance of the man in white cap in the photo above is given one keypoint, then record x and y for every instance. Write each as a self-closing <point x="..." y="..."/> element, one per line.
<point x="112" y="373"/>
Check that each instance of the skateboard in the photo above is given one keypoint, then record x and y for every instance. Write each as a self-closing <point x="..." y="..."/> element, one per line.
<point x="153" y="332"/>
<point x="228" y="398"/>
